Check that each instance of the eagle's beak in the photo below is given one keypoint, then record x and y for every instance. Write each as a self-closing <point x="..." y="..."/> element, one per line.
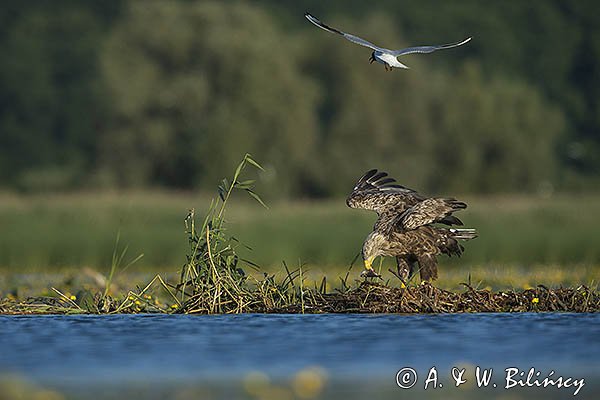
<point x="369" y="272"/>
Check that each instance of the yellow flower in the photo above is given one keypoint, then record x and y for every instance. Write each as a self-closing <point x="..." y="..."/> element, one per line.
<point x="535" y="300"/>
<point x="402" y="285"/>
<point x="147" y="296"/>
<point x="72" y="297"/>
<point x="137" y="302"/>
<point x="174" y="306"/>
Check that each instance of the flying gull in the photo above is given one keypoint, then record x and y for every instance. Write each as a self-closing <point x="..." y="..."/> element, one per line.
<point x="389" y="58"/>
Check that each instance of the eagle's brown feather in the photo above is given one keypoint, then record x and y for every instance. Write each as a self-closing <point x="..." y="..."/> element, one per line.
<point x="429" y="211"/>
<point x="374" y="191"/>
<point x="404" y="227"/>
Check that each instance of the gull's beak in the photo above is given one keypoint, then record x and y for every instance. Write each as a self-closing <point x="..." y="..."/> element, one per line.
<point x="368" y="263"/>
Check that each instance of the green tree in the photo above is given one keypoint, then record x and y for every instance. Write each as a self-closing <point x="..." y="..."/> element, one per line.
<point x="171" y="93"/>
<point x="369" y="117"/>
<point x="496" y="135"/>
<point x="553" y="46"/>
<point x="433" y="129"/>
<point x="50" y="102"/>
<point x="196" y="85"/>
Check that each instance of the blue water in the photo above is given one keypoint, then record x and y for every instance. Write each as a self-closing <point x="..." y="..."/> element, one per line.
<point x="84" y="350"/>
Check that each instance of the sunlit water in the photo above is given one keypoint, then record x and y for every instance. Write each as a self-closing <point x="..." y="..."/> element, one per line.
<point x="73" y="352"/>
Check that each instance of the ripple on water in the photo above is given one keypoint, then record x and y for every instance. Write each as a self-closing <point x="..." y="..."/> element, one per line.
<point x="122" y="347"/>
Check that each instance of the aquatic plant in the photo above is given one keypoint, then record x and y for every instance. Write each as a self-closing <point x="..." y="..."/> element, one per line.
<point x="213" y="279"/>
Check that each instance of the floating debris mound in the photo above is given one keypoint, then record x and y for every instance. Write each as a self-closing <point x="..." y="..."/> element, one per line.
<point x="367" y="297"/>
<point x="371" y="297"/>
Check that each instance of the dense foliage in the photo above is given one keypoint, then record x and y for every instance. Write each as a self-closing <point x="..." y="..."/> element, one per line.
<point x="135" y="94"/>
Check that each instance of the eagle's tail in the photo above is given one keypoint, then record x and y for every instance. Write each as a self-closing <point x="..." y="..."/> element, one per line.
<point x="450" y="245"/>
<point x="447" y="241"/>
<point x="463" y="234"/>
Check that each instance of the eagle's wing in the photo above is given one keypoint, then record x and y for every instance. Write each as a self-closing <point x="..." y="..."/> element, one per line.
<point x="428" y="49"/>
<point x="429" y="211"/>
<point x="352" y="38"/>
<point x="377" y="192"/>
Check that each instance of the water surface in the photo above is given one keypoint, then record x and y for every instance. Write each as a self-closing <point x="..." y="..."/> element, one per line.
<point x="79" y="351"/>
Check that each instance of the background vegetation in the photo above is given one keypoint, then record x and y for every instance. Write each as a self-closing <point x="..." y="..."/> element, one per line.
<point x="126" y="94"/>
<point x="54" y="232"/>
<point x="143" y="105"/>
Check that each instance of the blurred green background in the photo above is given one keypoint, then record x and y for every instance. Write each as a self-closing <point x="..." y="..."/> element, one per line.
<point x="122" y="115"/>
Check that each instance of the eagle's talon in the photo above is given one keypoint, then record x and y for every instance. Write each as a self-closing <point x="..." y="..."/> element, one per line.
<point x="369" y="273"/>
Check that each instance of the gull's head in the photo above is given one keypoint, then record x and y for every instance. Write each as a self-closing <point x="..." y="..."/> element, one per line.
<point x="372" y="58"/>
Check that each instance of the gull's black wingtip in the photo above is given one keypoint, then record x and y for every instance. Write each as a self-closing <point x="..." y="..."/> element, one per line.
<point x="310" y="17"/>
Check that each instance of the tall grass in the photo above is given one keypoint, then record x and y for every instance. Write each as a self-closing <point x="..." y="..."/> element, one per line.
<point x="213" y="280"/>
<point x="50" y="233"/>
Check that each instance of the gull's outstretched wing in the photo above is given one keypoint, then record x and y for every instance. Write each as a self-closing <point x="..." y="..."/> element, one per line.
<point x="428" y="49"/>
<point x="377" y="192"/>
<point x="352" y="38"/>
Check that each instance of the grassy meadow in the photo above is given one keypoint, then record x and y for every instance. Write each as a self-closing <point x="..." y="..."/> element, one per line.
<point x="523" y="240"/>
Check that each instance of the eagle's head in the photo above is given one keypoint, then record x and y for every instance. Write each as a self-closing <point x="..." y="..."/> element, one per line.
<point x="373" y="247"/>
